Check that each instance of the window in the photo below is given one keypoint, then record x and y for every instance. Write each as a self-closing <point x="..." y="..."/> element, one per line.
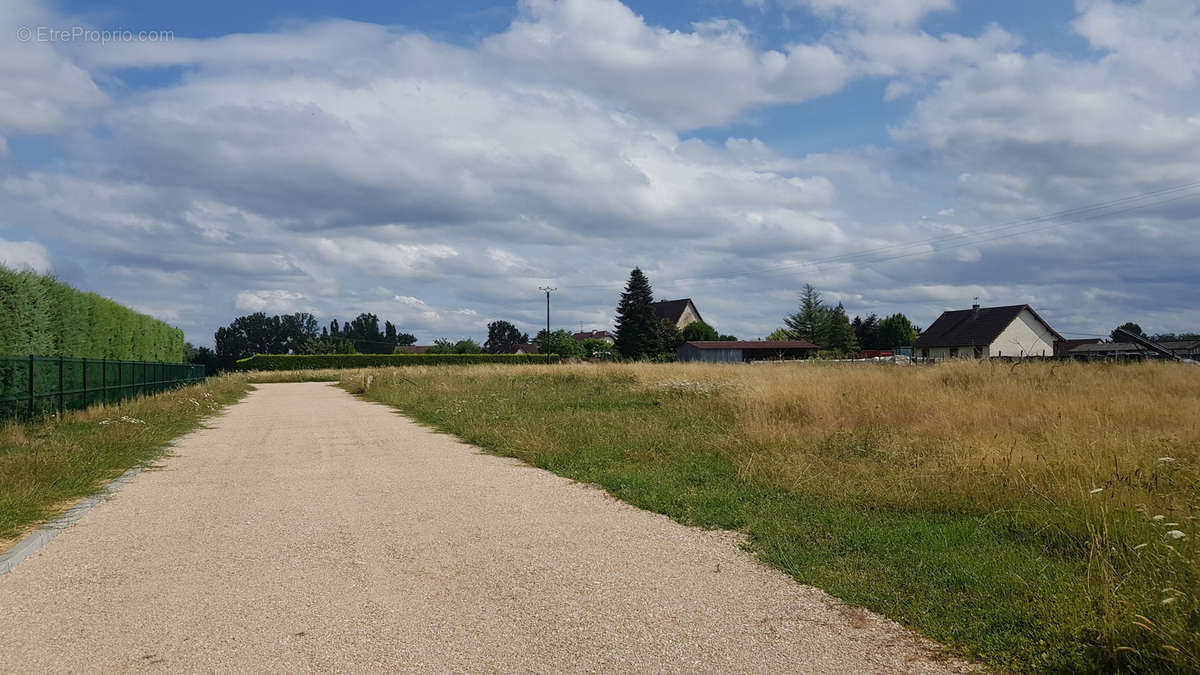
<point x="924" y="352"/>
<point x="979" y="352"/>
<point x="954" y="352"/>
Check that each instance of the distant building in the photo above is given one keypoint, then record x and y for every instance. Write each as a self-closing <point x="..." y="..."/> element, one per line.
<point x="679" y="312"/>
<point x="1064" y="347"/>
<point x="596" y="335"/>
<point x="743" y="351"/>
<point x="413" y="349"/>
<point x="1187" y="349"/>
<point x="987" y="332"/>
<point x="525" y="349"/>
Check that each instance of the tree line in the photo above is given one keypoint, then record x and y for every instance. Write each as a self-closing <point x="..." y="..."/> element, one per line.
<point x="298" y="333"/>
<point x="836" y="334"/>
<point x="1132" y="327"/>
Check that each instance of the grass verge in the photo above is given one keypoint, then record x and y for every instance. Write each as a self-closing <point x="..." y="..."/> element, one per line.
<point x="48" y="464"/>
<point x="1040" y="517"/>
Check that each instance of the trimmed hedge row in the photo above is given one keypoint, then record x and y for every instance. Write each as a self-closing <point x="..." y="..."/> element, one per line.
<point x="317" y="361"/>
<point x="41" y="315"/>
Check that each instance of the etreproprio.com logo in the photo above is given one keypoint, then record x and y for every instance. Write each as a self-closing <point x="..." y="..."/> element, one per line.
<point x="92" y="35"/>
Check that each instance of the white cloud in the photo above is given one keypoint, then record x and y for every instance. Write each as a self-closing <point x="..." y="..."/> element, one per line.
<point x="878" y="12"/>
<point x="603" y="47"/>
<point x="270" y="301"/>
<point x="310" y="167"/>
<point x="1156" y="42"/>
<point x="24" y="255"/>
<point x="41" y="90"/>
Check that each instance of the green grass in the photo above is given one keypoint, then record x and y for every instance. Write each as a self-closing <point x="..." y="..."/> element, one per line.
<point x="1021" y="587"/>
<point x="46" y="465"/>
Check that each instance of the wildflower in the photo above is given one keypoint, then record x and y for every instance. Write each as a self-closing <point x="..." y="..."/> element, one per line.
<point x="1095" y="490"/>
<point x="1166" y="460"/>
<point x="1158" y="518"/>
<point x="1139" y="546"/>
<point x="131" y="420"/>
<point x="1167" y="601"/>
<point x="1174" y="534"/>
<point x="105" y="421"/>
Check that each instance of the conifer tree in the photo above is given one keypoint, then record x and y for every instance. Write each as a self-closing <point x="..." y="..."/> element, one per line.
<point x="840" y="332"/>
<point x="810" y="323"/>
<point x="636" y="324"/>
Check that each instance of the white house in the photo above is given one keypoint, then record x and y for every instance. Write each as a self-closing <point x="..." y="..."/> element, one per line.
<point x="987" y="332"/>
<point x="679" y="312"/>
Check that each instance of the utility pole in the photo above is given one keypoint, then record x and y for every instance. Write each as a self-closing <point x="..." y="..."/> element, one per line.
<point x="547" y="289"/>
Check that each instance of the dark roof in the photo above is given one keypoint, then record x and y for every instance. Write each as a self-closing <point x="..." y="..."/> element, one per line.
<point x="1064" y="346"/>
<point x="970" y="327"/>
<point x="413" y="349"/>
<point x="593" y="334"/>
<point x="672" y="310"/>
<point x="528" y="348"/>
<point x="1103" y="347"/>
<point x="1100" y="347"/>
<point x="752" y="344"/>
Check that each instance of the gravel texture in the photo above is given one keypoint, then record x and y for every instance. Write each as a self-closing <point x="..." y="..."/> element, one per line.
<point x="306" y="530"/>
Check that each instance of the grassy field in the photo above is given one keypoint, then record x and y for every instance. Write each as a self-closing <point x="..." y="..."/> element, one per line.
<point x="1038" y="516"/>
<point x="46" y="465"/>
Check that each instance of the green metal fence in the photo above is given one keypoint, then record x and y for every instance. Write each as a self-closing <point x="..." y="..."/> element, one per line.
<point x="34" y="385"/>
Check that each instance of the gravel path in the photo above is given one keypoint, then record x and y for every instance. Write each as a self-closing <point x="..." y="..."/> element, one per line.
<point x="310" y="531"/>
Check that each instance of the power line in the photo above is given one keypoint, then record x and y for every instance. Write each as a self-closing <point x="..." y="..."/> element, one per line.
<point x="1077" y="211"/>
<point x="1017" y="228"/>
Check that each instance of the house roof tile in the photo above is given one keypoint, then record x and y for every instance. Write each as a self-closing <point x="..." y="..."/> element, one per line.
<point x="974" y="327"/>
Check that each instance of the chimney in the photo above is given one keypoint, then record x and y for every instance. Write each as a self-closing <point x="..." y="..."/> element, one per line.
<point x="975" y="309"/>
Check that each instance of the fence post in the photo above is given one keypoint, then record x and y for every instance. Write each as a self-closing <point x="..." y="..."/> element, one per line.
<point x="104" y="379"/>
<point x="60" y="384"/>
<point x="31" y="385"/>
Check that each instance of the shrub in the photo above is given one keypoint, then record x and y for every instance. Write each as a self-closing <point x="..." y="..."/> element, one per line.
<point x="46" y="317"/>
<point x="314" y="361"/>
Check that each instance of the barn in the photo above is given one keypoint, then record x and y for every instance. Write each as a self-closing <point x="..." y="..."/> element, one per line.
<point x="744" y="351"/>
<point x="987" y="332"/>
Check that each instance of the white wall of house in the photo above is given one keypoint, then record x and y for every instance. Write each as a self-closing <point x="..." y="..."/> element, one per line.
<point x="1025" y="336"/>
<point x="951" y="353"/>
<point x="689" y="316"/>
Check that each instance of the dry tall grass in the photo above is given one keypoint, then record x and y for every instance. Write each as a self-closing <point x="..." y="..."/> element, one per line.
<point x="968" y="435"/>
<point x="1104" y="455"/>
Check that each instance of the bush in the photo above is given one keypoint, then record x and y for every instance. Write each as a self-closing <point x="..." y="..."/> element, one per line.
<point x="46" y="317"/>
<point x="315" y="361"/>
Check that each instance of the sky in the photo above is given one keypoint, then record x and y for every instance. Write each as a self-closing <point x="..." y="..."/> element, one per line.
<point x="438" y="162"/>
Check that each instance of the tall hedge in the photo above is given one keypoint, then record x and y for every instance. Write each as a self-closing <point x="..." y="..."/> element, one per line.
<point x="43" y="316"/>
<point x="307" y="361"/>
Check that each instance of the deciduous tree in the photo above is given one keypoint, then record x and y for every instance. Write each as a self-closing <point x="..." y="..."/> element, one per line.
<point x="1129" y="326"/>
<point x="503" y="337"/>
<point x="841" y="338"/>
<point x="698" y="331"/>
<point x="896" y="331"/>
